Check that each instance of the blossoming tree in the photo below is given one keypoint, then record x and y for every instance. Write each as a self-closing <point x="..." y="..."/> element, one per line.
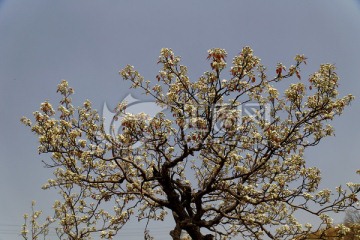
<point x="217" y="172"/>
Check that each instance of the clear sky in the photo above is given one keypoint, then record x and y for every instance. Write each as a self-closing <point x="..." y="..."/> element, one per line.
<point x="87" y="42"/>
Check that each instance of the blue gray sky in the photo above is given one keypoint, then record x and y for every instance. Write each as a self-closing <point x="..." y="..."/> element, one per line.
<point x="88" y="42"/>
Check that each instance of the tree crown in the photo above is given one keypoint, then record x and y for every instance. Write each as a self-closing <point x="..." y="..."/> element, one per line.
<point x="219" y="172"/>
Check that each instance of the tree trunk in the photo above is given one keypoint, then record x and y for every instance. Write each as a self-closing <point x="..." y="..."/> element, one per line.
<point x="191" y="229"/>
